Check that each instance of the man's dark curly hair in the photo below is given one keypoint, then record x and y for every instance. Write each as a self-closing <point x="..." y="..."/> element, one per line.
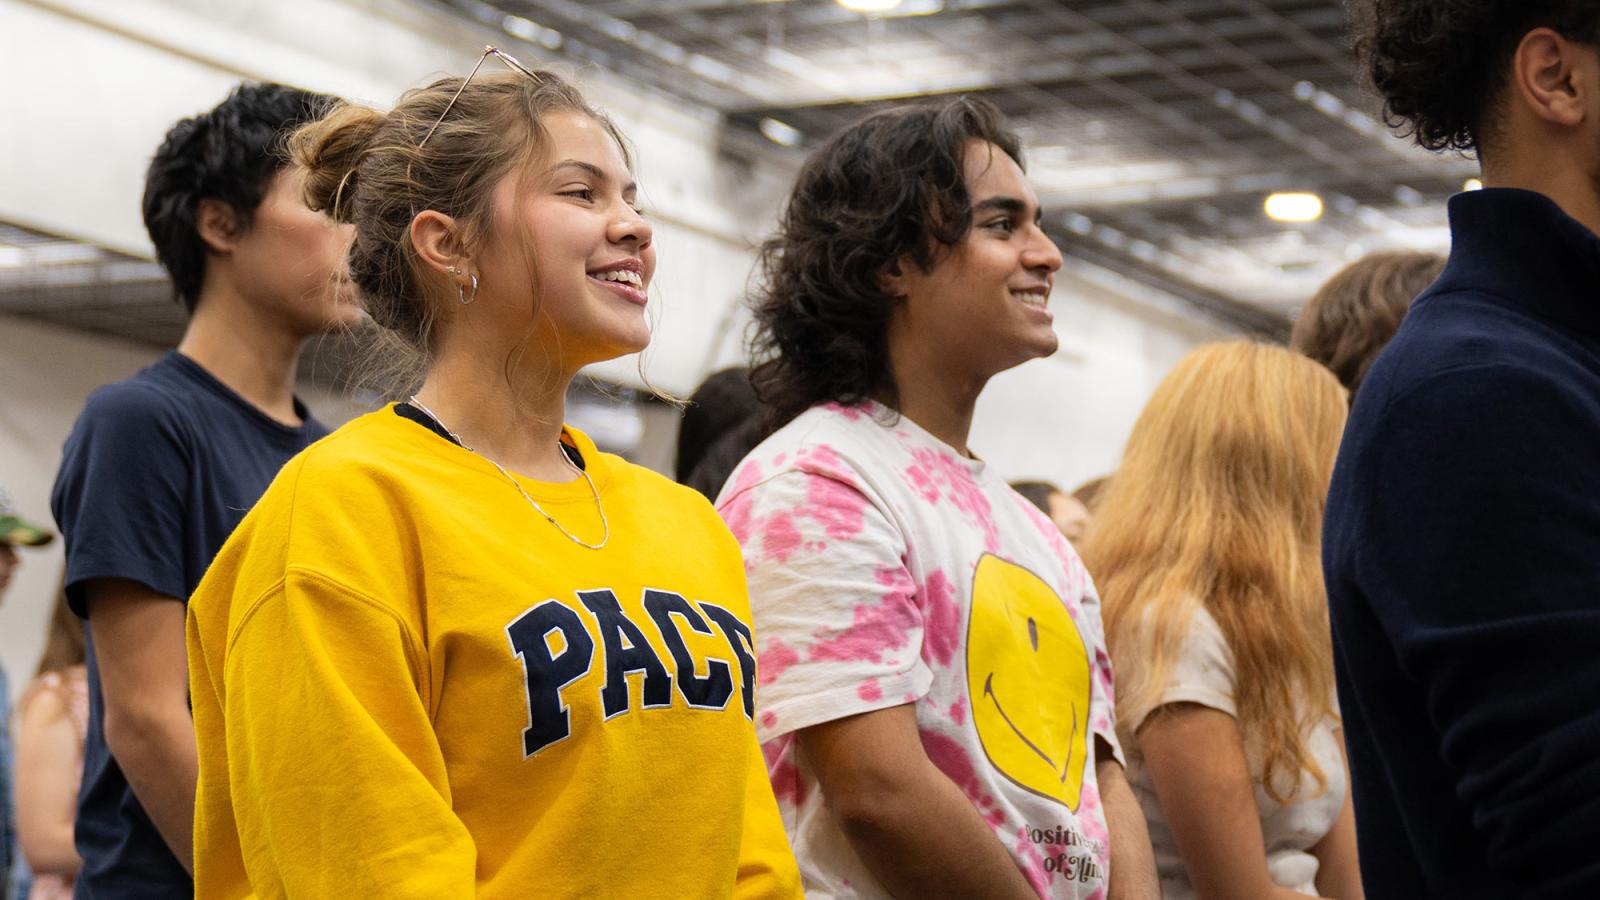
<point x="229" y="154"/>
<point x="1441" y="66"/>
<point x="891" y="187"/>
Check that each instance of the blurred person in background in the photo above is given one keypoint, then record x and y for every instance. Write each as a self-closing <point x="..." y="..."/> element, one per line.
<point x="1347" y="322"/>
<point x="53" y="720"/>
<point x="456" y="650"/>
<point x="160" y="468"/>
<point x="1206" y="550"/>
<point x="1090" y="492"/>
<point x="1068" y="512"/>
<point x="15" y="531"/>
<point x="721" y="424"/>
<point x="1462" y="541"/>
<point x="936" y="697"/>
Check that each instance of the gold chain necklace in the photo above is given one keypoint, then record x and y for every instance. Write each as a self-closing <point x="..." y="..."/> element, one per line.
<point x="604" y="524"/>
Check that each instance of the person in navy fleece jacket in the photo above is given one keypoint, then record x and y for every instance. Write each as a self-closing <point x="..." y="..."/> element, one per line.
<point x="1462" y="538"/>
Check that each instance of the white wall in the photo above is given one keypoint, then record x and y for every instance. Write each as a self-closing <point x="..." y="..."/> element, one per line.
<point x="1065" y="419"/>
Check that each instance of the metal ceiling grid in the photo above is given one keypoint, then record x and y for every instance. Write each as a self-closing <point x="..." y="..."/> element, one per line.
<point x="86" y="288"/>
<point x="1154" y="128"/>
<point x="82" y="286"/>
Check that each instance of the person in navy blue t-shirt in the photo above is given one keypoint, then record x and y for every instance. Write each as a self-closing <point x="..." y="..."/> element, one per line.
<point x="161" y="467"/>
<point x="1461" y="546"/>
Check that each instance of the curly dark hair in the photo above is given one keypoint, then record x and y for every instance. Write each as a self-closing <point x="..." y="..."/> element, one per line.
<point x="1442" y="65"/>
<point x="230" y="154"/>
<point x="891" y="187"/>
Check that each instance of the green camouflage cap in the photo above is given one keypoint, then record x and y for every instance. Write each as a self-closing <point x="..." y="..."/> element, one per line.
<point x="14" y="529"/>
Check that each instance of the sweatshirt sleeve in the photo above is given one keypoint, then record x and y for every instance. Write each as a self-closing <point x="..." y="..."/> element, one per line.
<point x="767" y="867"/>
<point x="1481" y="551"/>
<point x="338" y="780"/>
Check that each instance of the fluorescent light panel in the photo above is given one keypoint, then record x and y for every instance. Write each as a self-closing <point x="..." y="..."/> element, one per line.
<point x="1293" y="207"/>
<point x="780" y="132"/>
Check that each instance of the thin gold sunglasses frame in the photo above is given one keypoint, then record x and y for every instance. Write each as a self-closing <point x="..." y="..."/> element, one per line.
<point x="488" y="51"/>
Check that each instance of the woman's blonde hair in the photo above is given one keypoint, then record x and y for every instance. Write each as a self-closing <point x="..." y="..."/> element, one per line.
<point x="1218" y="503"/>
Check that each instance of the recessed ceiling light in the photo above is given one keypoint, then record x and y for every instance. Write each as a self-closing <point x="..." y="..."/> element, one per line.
<point x="1294" y="207"/>
<point x="780" y="132"/>
<point x="1408" y="196"/>
<point x="1473" y="184"/>
<point x="865" y="6"/>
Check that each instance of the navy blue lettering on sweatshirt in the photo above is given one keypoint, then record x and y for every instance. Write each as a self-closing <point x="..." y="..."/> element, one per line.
<point x="1461" y="551"/>
<point x="157" y="472"/>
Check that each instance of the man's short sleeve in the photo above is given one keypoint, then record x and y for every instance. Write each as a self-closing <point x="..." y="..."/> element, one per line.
<point x="119" y="496"/>
<point x="838" y="626"/>
<point x="1102" y="706"/>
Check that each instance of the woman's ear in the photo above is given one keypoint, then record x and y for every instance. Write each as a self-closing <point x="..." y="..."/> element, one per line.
<point x="437" y="239"/>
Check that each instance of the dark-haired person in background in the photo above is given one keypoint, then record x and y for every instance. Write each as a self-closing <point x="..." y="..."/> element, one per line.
<point x="722" y="424"/>
<point x="160" y="468"/>
<point x="1356" y="312"/>
<point x="1462" y="539"/>
<point x="936" y="701"/>
<point x="1090" y="492"/>
<point x="1070" y="514"/>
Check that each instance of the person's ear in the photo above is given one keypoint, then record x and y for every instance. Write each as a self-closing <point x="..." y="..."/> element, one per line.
<point x="1549" y="75"/>
<point x="437" y="239"/>
<point x="893" y="280"/>
<point x="217" y="224"/>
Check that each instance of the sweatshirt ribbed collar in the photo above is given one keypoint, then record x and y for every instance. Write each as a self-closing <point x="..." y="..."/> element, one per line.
<point x="1519" y="247"/>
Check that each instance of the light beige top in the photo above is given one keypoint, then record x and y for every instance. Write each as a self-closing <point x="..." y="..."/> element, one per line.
<point x="1203" y="674"/>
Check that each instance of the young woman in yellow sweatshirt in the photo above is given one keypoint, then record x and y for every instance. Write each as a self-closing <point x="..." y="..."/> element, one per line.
<point x="456" y="650"/>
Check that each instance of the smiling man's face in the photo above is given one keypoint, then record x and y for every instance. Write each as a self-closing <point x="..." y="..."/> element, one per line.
<point x="985" y="302"/>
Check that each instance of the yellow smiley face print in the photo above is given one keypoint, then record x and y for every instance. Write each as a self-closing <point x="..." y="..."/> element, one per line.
<point x="1028" y="678"/>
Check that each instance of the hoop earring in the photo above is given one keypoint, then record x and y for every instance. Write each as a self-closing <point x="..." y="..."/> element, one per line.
<point x="462" y="295"/>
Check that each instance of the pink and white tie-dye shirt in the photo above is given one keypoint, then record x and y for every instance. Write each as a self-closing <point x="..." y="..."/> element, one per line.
<point x="887" y="569"/>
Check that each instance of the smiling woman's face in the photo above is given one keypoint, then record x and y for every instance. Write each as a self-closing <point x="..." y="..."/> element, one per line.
<point x="574" y="219"/>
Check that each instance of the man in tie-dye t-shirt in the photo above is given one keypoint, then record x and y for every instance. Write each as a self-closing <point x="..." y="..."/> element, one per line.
<point x="935" y="696"/>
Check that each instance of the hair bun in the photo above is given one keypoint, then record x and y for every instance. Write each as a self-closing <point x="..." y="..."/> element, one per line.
<point x="328" y="153"/>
